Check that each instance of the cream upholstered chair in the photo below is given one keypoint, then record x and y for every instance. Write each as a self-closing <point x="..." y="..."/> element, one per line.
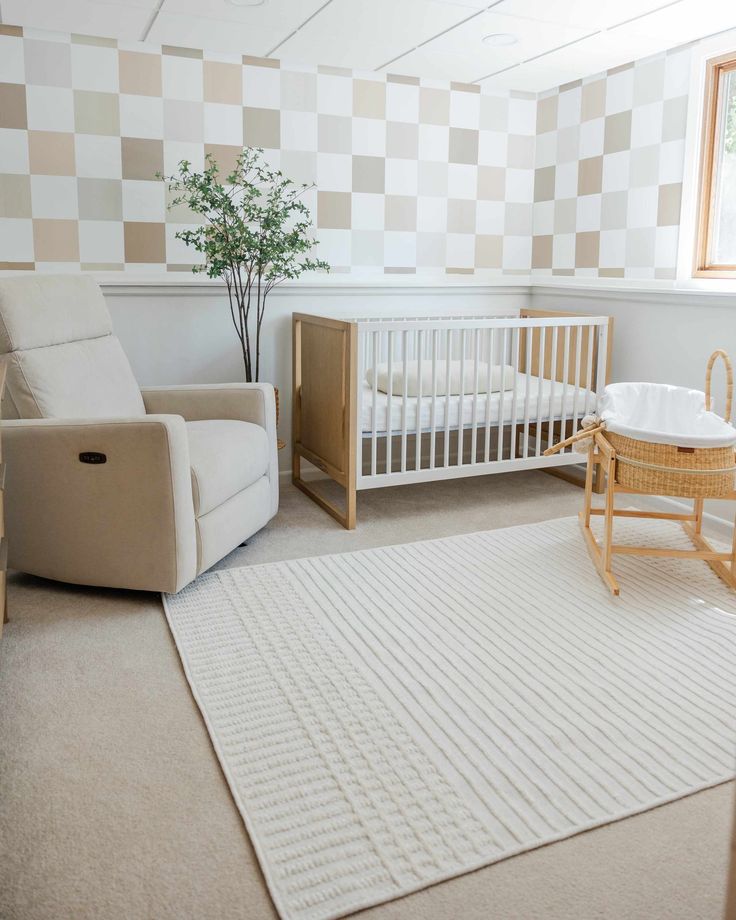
<point x="110" y="484"/>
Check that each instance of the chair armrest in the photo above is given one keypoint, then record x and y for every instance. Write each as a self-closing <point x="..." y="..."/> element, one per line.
<point x="244" y="402"/>
<point x="127" y="522"/>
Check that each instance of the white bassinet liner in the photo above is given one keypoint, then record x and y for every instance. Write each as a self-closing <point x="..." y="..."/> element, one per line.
<point x="555" y="402"/>
<point x="663" y="414"/>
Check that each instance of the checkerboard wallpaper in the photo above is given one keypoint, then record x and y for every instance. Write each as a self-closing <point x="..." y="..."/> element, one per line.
<point x="608" y="172"/>
<point x="411" y="176"/>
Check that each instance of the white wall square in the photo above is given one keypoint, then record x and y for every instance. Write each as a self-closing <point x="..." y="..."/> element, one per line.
<point x="143" y="200"/>
<point x="642" y="207"/>
<point x="460" y="250"/>
<point x="566" y="180"/>
<point x="434" y="143"/>
<point x="492" y="148"/>
<point x="50" y="108"/>
<point x="616" y="171"/>
<point x="177" y="251"/>
<point x="334" y="95"/>
<point x="369" y="137"/>
<point x="671" y="162"/>
<point x="54" y="197"/>
<point x="101" y="241"/>
<point x="334" y="172"/>
<point x="298" y="130"/>
<point x="262" y="87"/>
<point x="16" y="240"/>
<point x="490" y="217"/>
<point x="620" y="91"/>
<point x="563" y="250"/>
<point x="94" y="66"/>
<point x="223" y="124"/>
<point x="176" y="151"/>
<point x="568" y="144"/>
<point x="182" y="78"/>
<point x="520" y="185"/>
<point x="591" y="138"/>
<point x="640" y="243"/>
<point x="464" y="109"/>
<point x="14" y="151"/>
<point x="517" y="253"/>
<point x="677" y="73"/>
<point x="665" y="247"/>
<point x="141" y="116"/>
<point x="98" y="156"/>
<point x="334" y="247"/>
<point x="568" y="107"/>
<point x="522" y="116"/>
<point x="401" y="176"/>
<point x="546" y="149"/>
<point x="612" y="252"/>
<point x="400" y="248"/>
<point x="462" y="180"/>
<point x="402" y="102"/>
<point x="368" y="211"/>
<point x="431" y="215"/>
<point x="543" y="218"/>
<point x="588" y="213"/>
<point x="12" y="67"/>
<point x="646" y="124"/>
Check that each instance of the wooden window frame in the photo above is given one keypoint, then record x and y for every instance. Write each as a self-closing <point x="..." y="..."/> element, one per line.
<point x="703" y="268"/>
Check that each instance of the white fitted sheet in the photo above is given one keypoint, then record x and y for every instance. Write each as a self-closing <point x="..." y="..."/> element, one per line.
<point x="555" y="401"/>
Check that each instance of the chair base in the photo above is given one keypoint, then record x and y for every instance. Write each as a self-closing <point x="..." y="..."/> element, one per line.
<point x="602" y="552"/>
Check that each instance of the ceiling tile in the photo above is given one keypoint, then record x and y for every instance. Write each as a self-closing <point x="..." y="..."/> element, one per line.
<point x="123" y="21"/>
<point x="213" y="34"/>
<point x="282" y="16"/>
<point x="593" y="14"/>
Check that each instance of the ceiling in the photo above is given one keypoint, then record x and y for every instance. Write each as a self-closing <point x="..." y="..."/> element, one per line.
<point x="556" y="41"/>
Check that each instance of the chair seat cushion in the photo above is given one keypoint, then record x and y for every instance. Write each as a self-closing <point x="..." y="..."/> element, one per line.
<point x="226" y="457"/>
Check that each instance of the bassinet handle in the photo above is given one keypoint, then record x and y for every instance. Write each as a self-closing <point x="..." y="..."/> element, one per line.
<point x="720" y="353"/>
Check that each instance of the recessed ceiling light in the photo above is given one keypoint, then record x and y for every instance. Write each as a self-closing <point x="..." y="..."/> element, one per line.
<point x="245" y="2"/>
<point x="497" y="39"/>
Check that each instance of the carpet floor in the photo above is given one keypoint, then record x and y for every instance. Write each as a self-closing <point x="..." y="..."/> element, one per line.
<point x="112" y="803"/>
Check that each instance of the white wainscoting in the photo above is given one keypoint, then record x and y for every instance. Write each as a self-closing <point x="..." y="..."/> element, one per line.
<point x="181" y="332"/>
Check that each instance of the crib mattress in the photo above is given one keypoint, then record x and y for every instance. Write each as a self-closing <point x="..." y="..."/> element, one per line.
<point x="555" y="401"/>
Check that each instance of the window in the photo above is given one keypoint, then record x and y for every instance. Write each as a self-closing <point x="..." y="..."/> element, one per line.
<point x="716" y="244"/>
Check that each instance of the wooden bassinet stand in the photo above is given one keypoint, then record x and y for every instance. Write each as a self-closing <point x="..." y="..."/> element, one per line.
<point x="639" y="467"/>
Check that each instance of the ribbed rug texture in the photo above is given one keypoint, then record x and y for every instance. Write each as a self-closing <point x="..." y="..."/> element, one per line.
<point x="390" y="718"/>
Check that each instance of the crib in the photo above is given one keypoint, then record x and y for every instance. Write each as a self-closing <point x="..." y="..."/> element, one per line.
<point x="383" y="401"/>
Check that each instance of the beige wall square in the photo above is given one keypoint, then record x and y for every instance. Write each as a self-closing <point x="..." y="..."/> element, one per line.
<point x="617" y="135"/>
<point x="13" y="106"/>
<point x="183" y="121"/>
<point x="461" y="215"/>
<point x="520" y="151"/>
<point x="518" y="219"/>
<point x="644" y="166"/>
<point x="614" y="209"/>
<point x="542" y="251"/>
<point x="587" y="248"/>
<point x="674" y="119"/>
<point x="401" y="212"/>
<point x="298" y="91"/>
<point x="96" y="113"/>
<point x="369" y="98"/>
<point x="463" y="145"/>
<point x="262" y="128"/>
<point x="144" y="241"/>
<point x="491" y="183"/>
<point x="668" y="205"/>
<point x="369" y="174"/>
<point x="367" y="247"/>
<point x="334" y="210"/>
<point x="47" y="63"/>
<point x="402" y="140"/>
<point x="434" y="106"/>
<point x="547" y="114"/>
<point x="565" y="216"/>
<point x="590" y="176"/>
<point x="223" y="82"/>
<point x="100" y="199"/>
<point x="488" y="251"/>
<point x="51" y="153"/>
<point x="56" y="240"/>
<point x="432" y="179"/>
<point x="224" y="155"/>
<point x="142" y="157"/>
<point x="15" y="196"/>
<point x="140" y="73"/>
<point x="593" y="100"/>
<point x="544" y="183"/>
<point x="334" y="134"/>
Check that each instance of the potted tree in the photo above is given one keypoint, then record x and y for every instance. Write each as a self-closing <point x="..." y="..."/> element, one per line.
<point x="255" y="236"/>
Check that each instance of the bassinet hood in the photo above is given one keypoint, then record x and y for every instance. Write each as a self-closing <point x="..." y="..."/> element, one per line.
<point x="663" y="414"/>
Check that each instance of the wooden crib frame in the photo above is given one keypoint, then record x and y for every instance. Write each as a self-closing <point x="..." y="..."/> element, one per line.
<point x="329" y="363"/>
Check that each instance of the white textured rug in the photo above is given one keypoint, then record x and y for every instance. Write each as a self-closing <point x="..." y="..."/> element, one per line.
<point x="390" y="718"/>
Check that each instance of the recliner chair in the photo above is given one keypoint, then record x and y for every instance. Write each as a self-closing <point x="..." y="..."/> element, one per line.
<point x="107" y="483"/>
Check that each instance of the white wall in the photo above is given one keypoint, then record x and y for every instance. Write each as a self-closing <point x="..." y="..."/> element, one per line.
<point x="182" y="333"/>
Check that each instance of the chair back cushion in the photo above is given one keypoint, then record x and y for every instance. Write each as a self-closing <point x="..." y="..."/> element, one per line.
<point x="63" y="360"/>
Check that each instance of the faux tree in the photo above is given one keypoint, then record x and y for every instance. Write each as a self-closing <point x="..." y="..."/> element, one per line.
<point x="255" y="237"/>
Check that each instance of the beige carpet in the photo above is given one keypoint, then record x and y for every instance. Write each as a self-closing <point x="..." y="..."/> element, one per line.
<point x="112" y="805"/>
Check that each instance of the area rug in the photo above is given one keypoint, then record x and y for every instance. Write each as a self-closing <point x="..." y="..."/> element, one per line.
<point x="390" y="718"/>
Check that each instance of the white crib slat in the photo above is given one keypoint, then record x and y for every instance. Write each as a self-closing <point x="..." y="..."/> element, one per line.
<point x="433" y="410"/>
<point x="389" y="399"/>
<point x="461" y="401"/>
<point x="489" y="383"/>
<point x="476" y="382"/>
<point x="527" y="390"/>
<point x="540" y="381"/>
<point x="515" y="396"/>
<point x="589" y="400"/>
<point x="448" y="355"/>
<point x="374" y="404"/>
<point x="502" y="396"/>
<point x="418" y="426"/>
<point x="577" y="378"/>
<point x="553" y="381"/>
<point x="405" y="376"/>
<point x="565" y="373"/>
